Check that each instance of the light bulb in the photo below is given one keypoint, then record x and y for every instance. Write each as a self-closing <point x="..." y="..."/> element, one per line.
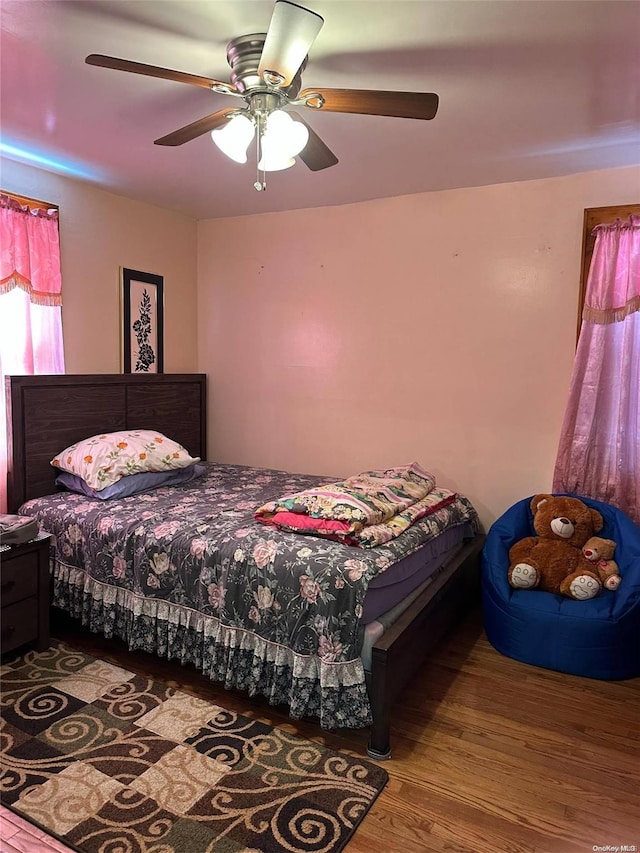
<point x="235" y="137"/>
<point x="282" y="140"/>
<point x="286" y="135"/>
<point x="274" y="162"/>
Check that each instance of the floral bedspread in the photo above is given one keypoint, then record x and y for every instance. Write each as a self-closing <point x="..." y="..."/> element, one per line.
<point x="187" y="572"/>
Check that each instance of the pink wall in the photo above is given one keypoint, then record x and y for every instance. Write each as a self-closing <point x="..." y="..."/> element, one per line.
<point x="437" y="327"/>
<point x="99" y="233"/>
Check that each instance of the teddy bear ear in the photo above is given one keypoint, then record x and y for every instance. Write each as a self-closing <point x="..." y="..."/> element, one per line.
<point x="609" y="546"/>
<point x="537" y="500"/>
<point x="597" y="520"/>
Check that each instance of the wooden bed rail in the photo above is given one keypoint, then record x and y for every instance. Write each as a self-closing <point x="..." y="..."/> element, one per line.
<point x="404" y="647"/>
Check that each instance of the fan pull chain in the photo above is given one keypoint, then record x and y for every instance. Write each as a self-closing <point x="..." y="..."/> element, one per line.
<point x="259" y="185"/>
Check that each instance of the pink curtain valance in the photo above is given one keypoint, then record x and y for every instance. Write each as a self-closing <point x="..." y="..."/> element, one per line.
<point x="613" y="286"/>
<point x="30" y="252"/>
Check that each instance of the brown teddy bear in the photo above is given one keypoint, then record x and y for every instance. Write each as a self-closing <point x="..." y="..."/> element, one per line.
<point x="553" y="560"/>
<point x="599" y="553"/>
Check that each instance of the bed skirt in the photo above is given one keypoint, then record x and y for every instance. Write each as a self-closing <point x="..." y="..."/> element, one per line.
<point x="336" y="693"/>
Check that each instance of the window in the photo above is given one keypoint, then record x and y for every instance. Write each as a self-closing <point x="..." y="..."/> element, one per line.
<point x="30" y="300"/>
<point x="597" y="216"/>
<point x="599" y="450"/>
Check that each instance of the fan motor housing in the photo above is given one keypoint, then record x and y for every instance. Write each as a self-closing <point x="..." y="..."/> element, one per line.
<point x="243" y="55"/>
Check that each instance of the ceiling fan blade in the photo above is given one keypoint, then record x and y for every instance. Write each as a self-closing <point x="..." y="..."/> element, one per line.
<point x="196" y="128"/>
<point x="153" y="71"/>
<point x="291" y="33"/>
<point x="316" y="155"/>
<point x="421" y="105"/>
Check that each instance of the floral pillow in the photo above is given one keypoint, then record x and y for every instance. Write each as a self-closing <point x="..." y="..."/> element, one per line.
<point x="104" y="459"/>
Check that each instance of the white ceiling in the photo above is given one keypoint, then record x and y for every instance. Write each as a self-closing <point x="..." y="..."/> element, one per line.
<point x="528" y="89"/>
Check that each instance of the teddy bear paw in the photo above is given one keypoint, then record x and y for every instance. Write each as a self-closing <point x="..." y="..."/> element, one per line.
<point x="612" y="582"/>
<point x="524" y="576"/>
<point x="584" y="587"/>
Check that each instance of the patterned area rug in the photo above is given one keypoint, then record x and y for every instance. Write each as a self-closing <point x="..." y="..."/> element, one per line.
<point x="108" y="760"/>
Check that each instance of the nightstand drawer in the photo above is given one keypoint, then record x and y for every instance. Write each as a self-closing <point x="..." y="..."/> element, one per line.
<point x="19" y="624"/>
<point x="24" y="594"/>
<point x="19" y="578"/>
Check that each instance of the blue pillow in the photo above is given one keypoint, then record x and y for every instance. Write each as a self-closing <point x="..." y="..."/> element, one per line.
<point x="132" y="484"/>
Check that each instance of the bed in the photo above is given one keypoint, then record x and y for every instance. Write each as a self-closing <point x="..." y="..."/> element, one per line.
<point x="376" y="623"/>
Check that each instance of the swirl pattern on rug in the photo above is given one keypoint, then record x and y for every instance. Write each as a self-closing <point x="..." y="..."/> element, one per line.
<point x="106" y="759"/>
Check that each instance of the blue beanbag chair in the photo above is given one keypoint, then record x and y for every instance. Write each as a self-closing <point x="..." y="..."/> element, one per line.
<point x="598" y="638"/>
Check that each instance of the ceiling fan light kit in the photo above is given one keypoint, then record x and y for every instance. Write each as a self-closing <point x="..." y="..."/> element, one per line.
<point x="280" y="140"/>
<point x="266" y="72"/>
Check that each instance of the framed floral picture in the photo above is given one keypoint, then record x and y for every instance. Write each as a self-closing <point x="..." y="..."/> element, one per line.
<point x="142" y="322"/>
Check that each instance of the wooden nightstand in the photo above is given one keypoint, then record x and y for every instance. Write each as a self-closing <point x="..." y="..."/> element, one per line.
<point x="24" y="594"/>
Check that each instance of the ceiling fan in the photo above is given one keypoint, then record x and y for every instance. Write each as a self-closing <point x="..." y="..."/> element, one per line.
<point x="266" y="73"/>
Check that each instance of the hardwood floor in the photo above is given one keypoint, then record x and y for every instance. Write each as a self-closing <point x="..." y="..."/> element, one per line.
<point x="19" y="836"/>
<point x="489" y="755"/>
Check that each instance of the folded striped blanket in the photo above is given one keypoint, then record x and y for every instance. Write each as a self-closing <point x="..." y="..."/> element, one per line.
<point x="366" y="510"/>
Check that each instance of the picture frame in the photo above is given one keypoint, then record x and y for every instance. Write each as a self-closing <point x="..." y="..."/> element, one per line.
<point x="142" y="314"/>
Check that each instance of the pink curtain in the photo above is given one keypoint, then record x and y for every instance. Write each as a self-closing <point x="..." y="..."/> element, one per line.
<point x="30" y="302"/>
<point x="599" y="452"/>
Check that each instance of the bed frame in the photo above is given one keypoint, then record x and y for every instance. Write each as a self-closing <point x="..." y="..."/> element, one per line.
<point x="46" y="413"/>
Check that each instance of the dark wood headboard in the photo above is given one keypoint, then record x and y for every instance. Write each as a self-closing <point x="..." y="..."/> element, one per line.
<point x="48" y="413"/>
